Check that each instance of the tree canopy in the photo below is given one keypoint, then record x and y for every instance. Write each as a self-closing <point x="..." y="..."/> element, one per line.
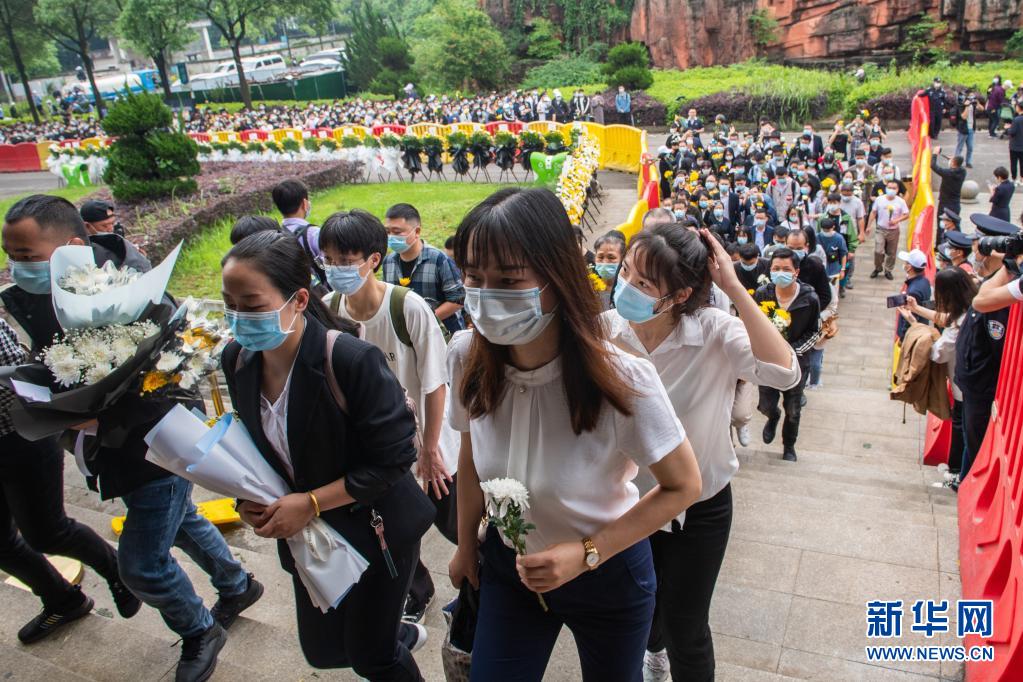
<point x="156" y="28"/>
<point x="456" y="46"/>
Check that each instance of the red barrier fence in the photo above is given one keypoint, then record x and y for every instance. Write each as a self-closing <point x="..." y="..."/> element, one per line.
<point x="18" y="158"/>
<point x="990" y="520"/>
<point x="495" y="127"/>
<point x="250" y="136"/>
<point x="380" y="130"/>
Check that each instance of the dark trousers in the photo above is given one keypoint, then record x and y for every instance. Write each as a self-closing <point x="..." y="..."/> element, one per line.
<point x="687" y="561"/>
<point x="935" y="126"/>
<point x="32" y="502"/>
<point x="1016" y="164"/>
<point x="364" y="632"/>
<point x="976" y="414"/>
<point x="993" y="119"/>
<point x="791" y="400"/>
<point x="446" y="521"/>
<point x="608" y="611"/>
<point x="955" y="447"/>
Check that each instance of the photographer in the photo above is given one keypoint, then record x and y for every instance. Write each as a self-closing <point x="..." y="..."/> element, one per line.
<point x="1002" y="289"/>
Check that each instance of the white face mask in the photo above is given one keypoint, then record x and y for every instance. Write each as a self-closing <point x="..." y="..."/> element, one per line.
<point x="507" y="317"/>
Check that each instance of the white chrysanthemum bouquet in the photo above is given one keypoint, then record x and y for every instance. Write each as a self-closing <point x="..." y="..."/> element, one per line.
<point x="505" y="500"/>
<point x="90" y="279"/>
<point x="84" y="357"/>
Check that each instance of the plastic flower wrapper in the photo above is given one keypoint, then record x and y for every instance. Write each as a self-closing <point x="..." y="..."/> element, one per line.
<point x="225" y="460"/>
<point x="193" y="353"/>
<point x="120" y="301"/>
<point x="505" y="499"/>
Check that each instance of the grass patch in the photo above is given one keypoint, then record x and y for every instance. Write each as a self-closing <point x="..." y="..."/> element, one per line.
<point x="441" y="204"/>
<point x="72" y="194"/>
<point x="976" y="76"/>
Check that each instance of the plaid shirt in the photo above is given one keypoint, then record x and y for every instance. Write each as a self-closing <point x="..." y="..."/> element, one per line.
<point x="434" y="276"/>
<point x="11" y="353"/>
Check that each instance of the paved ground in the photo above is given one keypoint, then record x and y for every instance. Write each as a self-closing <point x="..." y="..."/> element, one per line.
<point x="856" y="518"/>
<point x="13" y="184"/>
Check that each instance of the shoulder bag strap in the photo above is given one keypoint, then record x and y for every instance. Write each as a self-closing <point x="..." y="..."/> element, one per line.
<point x="397" y="310"/>
<point x="328" y="361"/>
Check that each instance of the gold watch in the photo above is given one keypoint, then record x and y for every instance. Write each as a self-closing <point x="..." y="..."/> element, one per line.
<point x="592" y="557"/>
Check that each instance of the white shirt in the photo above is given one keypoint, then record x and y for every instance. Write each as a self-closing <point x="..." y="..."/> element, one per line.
<point x="274" y="419"/>
<point x="577" y="483"/>
<point x="699" y="364"/>
<point x="943" y="351"/>
<point x="889" y="209"/>
<point x="421" y="369"/>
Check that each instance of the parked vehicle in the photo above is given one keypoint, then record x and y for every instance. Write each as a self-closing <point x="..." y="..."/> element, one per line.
<point x="258" y="68"/>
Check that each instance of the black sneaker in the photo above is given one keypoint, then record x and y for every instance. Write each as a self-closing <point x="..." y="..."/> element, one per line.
<point x="789" y="454"/>
<point x="888" y="276"/>
<point x="770" y="429"/>
<point x="127" y="603"/>
<point x="199" y="655"/>
<point x="227" y="609"/>
<point x="49" y="621"/>
<point x="414" y="610"/>
<point x="874" y="274"/>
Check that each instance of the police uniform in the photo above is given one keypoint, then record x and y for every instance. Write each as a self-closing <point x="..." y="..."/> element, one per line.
<point x="959" y="240"/>
<point x="979" y="357"/>
<point x="950" y="215"/>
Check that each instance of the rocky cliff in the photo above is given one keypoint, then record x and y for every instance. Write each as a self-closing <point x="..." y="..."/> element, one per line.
<point x="683" y="33"/>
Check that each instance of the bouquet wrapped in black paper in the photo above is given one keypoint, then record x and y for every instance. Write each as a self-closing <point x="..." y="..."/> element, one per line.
<point x="411" y="149"/>
<point x="434" y="148"/>
<point x="481" y="145"/>
<point x="529" y="142"/>
<point x="458" y="147"/>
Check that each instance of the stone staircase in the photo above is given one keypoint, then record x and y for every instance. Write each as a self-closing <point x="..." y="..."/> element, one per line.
<point x="856" y="518"/>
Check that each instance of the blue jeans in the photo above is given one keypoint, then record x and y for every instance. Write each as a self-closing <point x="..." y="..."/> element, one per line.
<point x="609" y="611"/>
<point x="161" y="514"/>
<point x="816" y="366"/>
<point x="967" y="140"/>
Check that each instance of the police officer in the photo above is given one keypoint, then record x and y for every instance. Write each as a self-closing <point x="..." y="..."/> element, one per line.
<point x="979" y="348"/>
<point x="958" y="247"/>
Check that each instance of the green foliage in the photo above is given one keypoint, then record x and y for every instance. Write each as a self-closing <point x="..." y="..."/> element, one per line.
<point x="255" y="147"/>
<point x="147" y="160"/>
<point x="632" y="77"/>
<point x="311" y="144"/>
<point x="1014" y="45"/>
<point x="581" y="22"/>
<point x="371" y="142"/>
<point x="389" y="140"/>
<point x="763" y="27"/>
<point x="38" y="53"/>
<point x="457" y="139"/>
<point x="329" y="143"/>
<point x="73" y="24"/>
<point x="919" y="42"/>
<point x="375" y="44"/>
<point x="290" y="145"/>
<point x="555" y="141"/>
<point x="457" y="47"/>
<point x="411" y="144"/>
<point x="530" y="139"/>
<point x="563" y="72"/>
<point x="432" y="144"/>
<point x="156" y="28"/>
<point x="387" y="82"/>
<point x="504" y="139"/>
<point x="543" y="41"/>
<point x="595" y="51"/>
<point x="628" y="64"/>
<point x="350" y="142"/>
<point x="481" y="138"/>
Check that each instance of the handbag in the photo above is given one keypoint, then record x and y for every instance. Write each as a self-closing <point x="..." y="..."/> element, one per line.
<point x="456" y="652"/>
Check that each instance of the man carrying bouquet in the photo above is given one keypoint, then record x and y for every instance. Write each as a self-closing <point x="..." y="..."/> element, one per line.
<point x="160" y="512"/>
<point x="794" y="308"/>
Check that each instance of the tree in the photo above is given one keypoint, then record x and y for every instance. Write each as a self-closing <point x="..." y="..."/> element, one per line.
<point x="236" y="18"/>
<point x="763" y="27"/>
<point x="457" y="46"/>
<point x="919" y="40"/>
<point x="628" y="64"/>
<point x="157" y="28"/>
<point x="73" y="24"/>
<point x="543" y="40"/>
<point x="23" y="45"/>
<point x="371" y="30"/>
<point x="1014" y="45"/>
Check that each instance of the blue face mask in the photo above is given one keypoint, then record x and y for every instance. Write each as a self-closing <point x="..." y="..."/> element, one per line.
<point x="633" y="304"/>
<point x="782" y="279"/>
<point x="742" y="240"/>
<point x="679" y="213"/>
<point x="718" y="213"/>
<point x="748" y="267"/>
<point x="259" y="331"/>
<point x="397" y="243"/>
<point x="703" y="204"/>
<point x="606" y="270"/>
<point x="32" y="277"/>
<point x="800" y="253"/>
<point x="711" y="185"/>
<point x="804" y="190"/>
<point x="345" y="279"/>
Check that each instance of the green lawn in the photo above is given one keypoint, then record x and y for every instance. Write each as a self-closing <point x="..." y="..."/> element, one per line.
<point x="441" y="204"/>
<point x="72" y="194"/>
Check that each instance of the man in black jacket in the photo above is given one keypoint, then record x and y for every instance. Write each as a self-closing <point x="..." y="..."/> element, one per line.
<point x="811" y="270"/>
<point x="160" y="512"/>
<point x="936" y="94"/>
<point x="751" y="267"/>
<point x="802" y="333"/>
<point x="950" y="192"/>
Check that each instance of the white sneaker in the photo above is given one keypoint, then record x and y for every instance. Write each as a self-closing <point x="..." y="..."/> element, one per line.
<point x="420" y="638"/>
<point x="949" y="476"/>
<point x="656" y="666"/>
<point x="742" y="433"/>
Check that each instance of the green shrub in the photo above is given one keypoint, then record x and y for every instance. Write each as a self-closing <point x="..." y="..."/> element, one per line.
<point x="350" y="142"/>
<point x="628" y="64"/>
<point x="543" y="41"/>
<point x="555" y="141"/>
<point x="595" y="52"/>
<point x="530" y="139"/>
<point x="148" y="160"/>
<point x="390" y="140"/>
<point x="1014" y="45"/>
<point x="632" y="77"/>
<point x="329" y="143"/>
<point x="255" y="147"/>
<point x="290" y="145"/>
<point x="763" y="27"/>
<point x="311" y="144"/>
<point x="563" y="72"/>
<point x="432" y="144"/>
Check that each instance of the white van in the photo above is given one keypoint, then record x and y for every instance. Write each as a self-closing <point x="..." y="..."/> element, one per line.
<point x="259" y="68"/>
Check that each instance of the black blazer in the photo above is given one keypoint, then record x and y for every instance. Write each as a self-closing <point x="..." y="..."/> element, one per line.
<point x="370" y="445"/>
<point x="1000" y="198"/>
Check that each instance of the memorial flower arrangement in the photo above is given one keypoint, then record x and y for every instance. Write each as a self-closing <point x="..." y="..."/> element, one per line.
<point x="576" y="175"/>
<point x="779" y="317"/>
<point x="84" y="357"/>
<point x="191" y="355"/>
<point x="504" y="500"/>
<point x="90" y="279"/>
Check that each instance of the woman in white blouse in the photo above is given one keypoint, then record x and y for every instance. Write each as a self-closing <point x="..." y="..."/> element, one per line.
<point x="542" y="397"/>
<point x="700" y="352"/>
<point x="954" y="290"/>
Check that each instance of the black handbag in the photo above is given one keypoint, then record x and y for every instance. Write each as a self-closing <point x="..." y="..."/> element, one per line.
<point x="456" y="653"/>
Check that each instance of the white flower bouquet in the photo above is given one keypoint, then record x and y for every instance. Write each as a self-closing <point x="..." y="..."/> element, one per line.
<point x="193" y="353"/>
<point x="89" y="279"/>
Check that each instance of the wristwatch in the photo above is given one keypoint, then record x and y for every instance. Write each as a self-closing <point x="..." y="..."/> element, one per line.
<point x="592" y="557"/>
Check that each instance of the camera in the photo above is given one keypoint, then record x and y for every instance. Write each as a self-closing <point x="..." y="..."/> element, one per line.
<point x="1010" y="246"/>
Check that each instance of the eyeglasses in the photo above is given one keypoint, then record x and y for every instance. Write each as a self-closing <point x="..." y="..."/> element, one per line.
<point x="323" y="263"/>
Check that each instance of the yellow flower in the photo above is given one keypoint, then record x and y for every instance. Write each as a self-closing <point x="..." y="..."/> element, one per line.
<point x="783" y="314"/>
<point x="771" y="305"/>
<point x="596" y="282"/>
<point x="405" y="281"/>
<point x="750" y="292"/>
<point x="155" y="380"/>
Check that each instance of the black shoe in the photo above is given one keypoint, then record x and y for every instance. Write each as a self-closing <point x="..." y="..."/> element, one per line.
<point x="127" y="603"/>
<point x="49" y="621"/>
<point x="841" y="292"/>
<point x="874" y="274"/>
<point x="227" y="609"/>
<point x="888" y="276"/>
<point x="969" y="165"/>
<point x="199" y="655"/>
<point x="414" y="610"/>
<point x="789" y="454"/>
<point x="802" y="400"/>
<point x="770" y="428"/>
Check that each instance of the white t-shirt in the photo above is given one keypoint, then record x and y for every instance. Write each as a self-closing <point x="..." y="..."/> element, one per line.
<point x="577" y="483"/>
<point x="889" y="209"/>
<point x="699" y="364"/>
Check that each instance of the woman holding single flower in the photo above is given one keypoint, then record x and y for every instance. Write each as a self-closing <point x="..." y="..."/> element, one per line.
<point x="541" y="397"/>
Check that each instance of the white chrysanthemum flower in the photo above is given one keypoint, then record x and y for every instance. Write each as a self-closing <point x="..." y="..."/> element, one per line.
<point x="188" y="380"/>
<point x="499" y="492"/>
<point x="168" y="361"/>
<point x="122" y="348"/>
<point x="96" y="373"/>
<point x="66" y="372"/>
<point x="95" y="349"/>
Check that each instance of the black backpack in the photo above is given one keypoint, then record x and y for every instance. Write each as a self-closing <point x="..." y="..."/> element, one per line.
<point x="320" y="287"/>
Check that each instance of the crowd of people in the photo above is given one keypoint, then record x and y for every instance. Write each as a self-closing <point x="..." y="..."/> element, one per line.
<point x="385" y="379"/>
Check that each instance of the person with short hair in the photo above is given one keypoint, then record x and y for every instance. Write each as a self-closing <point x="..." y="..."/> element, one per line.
<point x="608" y="250"/>
<point x="426" y="270"/>
<point x="1001" y="194"/>
<point x="800" y="302"/>
<point x="950" y="191"/>
<point x="251" y="224"/>
<point x="99" y="217"/>
<point x="291" y="197"/>
<point x="887" y="215"/>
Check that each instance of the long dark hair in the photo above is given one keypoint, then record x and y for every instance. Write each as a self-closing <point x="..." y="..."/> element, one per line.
<point x="954" y="290"/>
<point x="530" y="227"/>
<point x="280" y="257"/>
<point x="677" y="259"/>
